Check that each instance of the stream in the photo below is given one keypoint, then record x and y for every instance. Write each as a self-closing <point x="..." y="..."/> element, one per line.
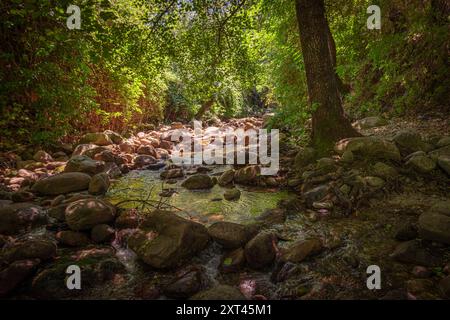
<point x="352" y="243"/>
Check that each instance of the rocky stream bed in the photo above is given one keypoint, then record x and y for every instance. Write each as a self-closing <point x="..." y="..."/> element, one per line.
<point x="140" y="227"/>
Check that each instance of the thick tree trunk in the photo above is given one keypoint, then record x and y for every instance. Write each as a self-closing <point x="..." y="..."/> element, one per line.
<point x="342" y="87"/>
<point x="204" y="107"/>
<point x="329" y="123"/>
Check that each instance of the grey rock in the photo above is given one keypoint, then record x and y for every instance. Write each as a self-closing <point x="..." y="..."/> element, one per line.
<point x="166" y="239"/>
<point x="99" y="184"/>
<point x="232" y="194"/>
<point x="260" y="251"/>
<point x="18" y="216"/>
<point x="412" y="252"/>
<point x="226" y="178"/>
<point x="198" y="181"/>
<point x="422" y="164"/>
<point x="229" y="234"/>
<point x="98" y="138"/>
<point x="434" y="226"/>
<point x="369" y="148"/>
<point x="62" y="183"/>
<point x="409" y="141"/>
<point x="84" y="164"/>
<point x="87" y="213"/>
<point x="301" y="250"/>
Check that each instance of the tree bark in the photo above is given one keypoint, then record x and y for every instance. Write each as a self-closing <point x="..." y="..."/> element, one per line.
<point x="342" y="87"/>
<point x="329" y="123"/>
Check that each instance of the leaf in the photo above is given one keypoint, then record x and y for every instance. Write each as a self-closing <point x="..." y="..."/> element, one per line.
<point x="227" y="261"/>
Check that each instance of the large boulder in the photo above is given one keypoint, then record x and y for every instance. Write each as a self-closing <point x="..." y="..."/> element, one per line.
<point x="84" y="164"/>
<point x="84" y="214"/>
<point x="301" y="250"/>
<point x="414" y="253"/>
<point x="226" y="178"/>
<point x="15" y="273"/>
<point x="62" y="183"/>
<point x="247" y="175"/>
<point x="99" y="184"/>
<point x="260" y="251"/>
<point x="369" y="148"/>
<point x="422" y="163"/>
<point x="114" y="136"/>
<point x="384" y="171"/>
<point x="41" y="249"/>
<point x="98" y="138"/>
<point x="435" y="224"/>
<point x="18" y="216"/>
<point x="198" y="181"/>
<point x="166" y="239"/>
<point x="229" y="234"/>
<point x="187" y="283"/>
<point x="219" y="292"/>
<point x="409" y="141"/>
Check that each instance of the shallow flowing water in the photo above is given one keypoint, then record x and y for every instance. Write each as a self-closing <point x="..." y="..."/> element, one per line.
<point x="205" y="206"/>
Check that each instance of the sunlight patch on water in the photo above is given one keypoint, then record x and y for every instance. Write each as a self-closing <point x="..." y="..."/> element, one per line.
<point x="205" y="206"/>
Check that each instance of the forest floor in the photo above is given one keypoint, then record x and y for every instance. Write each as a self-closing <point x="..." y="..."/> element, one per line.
<point x="310" y="232"/>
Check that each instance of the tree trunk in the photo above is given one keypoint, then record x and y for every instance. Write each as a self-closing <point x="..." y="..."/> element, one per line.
<point x="342" y="87"/>
<point x="329" y="123"/>
<point x="205" y="107"/>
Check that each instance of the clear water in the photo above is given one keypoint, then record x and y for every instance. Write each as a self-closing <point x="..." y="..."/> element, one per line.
<point x="205" y="206"/>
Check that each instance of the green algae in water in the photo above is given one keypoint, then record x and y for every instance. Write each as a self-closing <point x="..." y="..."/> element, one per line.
<point x="204" y="205"/>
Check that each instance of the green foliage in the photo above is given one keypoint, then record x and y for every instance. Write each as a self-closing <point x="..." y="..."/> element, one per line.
<point x="401" y="68"/>
<point x="140" y="61"/>
<point x="52" y="75"/>
<point x="285" y="73"/>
